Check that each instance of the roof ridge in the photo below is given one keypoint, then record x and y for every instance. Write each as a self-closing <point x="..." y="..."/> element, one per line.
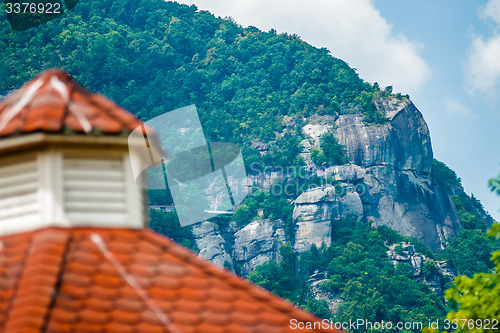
<point x="132" y="282"/>
<point x="58" y="283"/>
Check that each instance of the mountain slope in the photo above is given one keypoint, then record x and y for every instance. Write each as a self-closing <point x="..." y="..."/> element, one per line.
<point x="344" y="155"/>
<point x="249" y="86"/>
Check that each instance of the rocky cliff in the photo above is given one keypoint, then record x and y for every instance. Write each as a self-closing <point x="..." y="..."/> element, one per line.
<point x="387" y="181"/>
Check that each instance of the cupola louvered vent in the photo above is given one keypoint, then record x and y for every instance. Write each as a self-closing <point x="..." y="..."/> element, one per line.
<point x="94" y="190"/>
<point x="67" y="159"/>
<point x="19" y="192"/>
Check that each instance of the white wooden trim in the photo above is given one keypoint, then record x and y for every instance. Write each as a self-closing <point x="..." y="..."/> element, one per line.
<point x="58" y="195"/>
<point x="20" y="224"/>
<point x="50" y="188"/>
<point x="14" y="211"/>
<point x="29" y="141"/>
<point x="135" y="200"/>
<point x="21" y="188"/>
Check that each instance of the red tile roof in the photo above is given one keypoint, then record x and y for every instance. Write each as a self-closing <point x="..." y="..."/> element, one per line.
<point x="127" y="280"/>
<point x="54" y="103"/>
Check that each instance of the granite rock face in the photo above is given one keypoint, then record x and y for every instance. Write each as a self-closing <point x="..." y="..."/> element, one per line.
<point x="257" y="243"/>
<point x="212" y="245"/>
<point x="387" y="180"/>
<point x="316" y="209"/>
<point x="403" y="142"/>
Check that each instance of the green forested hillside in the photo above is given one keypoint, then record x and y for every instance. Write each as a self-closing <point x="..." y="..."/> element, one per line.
<point x="152" y="56"/>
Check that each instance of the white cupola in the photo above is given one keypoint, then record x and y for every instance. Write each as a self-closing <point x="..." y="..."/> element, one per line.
<point x="65" y="159"/>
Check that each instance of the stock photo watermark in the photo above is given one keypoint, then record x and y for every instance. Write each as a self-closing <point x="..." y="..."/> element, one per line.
<point x="205" y="179"/>
<point x="364" y="324"/>
<point x="26" y="14"/>
<point x="210" y="179"/>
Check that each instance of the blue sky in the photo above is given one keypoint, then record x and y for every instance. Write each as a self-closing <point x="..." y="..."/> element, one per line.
<point x="445" y="54"/>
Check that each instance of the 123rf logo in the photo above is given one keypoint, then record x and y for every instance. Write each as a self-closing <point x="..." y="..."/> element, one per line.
<point x="26" y="14"/>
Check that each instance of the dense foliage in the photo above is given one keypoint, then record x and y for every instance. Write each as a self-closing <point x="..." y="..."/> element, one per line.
<point x="476" y="299"/>
<point x="168" y="224"/>
<point x="332" y="153"/>
<point x="272" y="206"/>
<point x="152" y="56"/>
<point x="370" y="113"/>
<point x="471" y="250"/>
<point x="444" y="175"/>
<point x="465" y="208"/>
<point x="357" y="268"/>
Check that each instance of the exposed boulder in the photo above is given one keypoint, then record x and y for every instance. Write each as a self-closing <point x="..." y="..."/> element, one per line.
<point x="317" y="208"/>
<point x="258" y="242"/>
<point x="212" y="245"/>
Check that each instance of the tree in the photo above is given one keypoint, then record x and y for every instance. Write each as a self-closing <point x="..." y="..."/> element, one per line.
<point x="281" y="279"/>
<point x="495" y="184"/>
<point x="333" y="150"/>
<point x="331" y="153"/>
<point x="476" y="299"/>
<point x="168" y="225"/>
<point x="318" y="157"/>
<point x="319" y="307"/>
<point x="445" y="175"/>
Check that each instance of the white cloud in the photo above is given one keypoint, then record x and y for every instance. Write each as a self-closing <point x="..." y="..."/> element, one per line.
<point x="482" y="68"/>
<point x="454" y="107"/>
<point x="491" y="10"/>
<point x="353" y="30"/>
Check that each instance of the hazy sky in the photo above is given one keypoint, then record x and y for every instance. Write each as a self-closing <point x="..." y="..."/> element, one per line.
<point x="445" y="54"/>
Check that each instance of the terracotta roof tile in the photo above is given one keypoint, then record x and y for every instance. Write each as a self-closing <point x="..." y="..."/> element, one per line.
<point x="58" y="104"/>
<point x="73" y="292"/>
<point x="109" y="293"/>
<point x="125" y="317"/>
<point x="14" y="126"/>
<point x="81" y="268"/>
<point x="94" y="317"/>
<point x="207" y="327"/>
<point x="59" y="280"/>
<point x="150" y="328"/>
<point x="246" y="320"/>
<point x="130" y="293"/>
<point x="248" y="307"/>
<point x="107" y="269"/>
<point x="107" y="281"/>
<point x="64" y="315"/>
<point x="130" y="305"/>
<point x="113" y="327"/>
